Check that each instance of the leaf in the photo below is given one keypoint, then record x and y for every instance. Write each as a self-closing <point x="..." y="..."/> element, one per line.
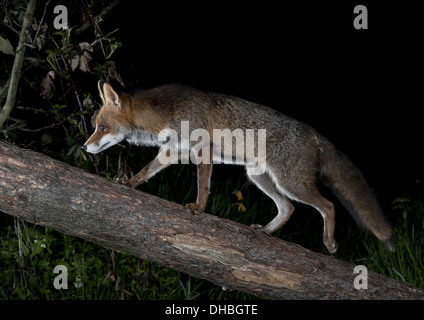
<point x="241" y="207"/>
<point x="41" y="37"/>
<point x="238" y="194"/>
<point x="85" y="18"/>
<point x="46" y="84"/>
<point x="43" y="264"/>
<point x="40" y="41"/>
<point x="75" y="62"/>
<point x="5" y="46"/>
<point x="72" y="149"/>
<point x="78" y="152"/>
<point x="83" y="64"/>
<point x="111" y="72"/>
<point x="46" y="139"/>
<point x="87" y="102"/>
<point x="113" y="46"/>
<point x="85" y="46"/>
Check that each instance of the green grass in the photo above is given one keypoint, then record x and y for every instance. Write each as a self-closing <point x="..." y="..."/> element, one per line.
<point x="28" y="254"/>
<point x="407" y="263"/>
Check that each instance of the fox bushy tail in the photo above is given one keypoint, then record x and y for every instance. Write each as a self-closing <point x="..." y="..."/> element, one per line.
<point x="350" y="187"/>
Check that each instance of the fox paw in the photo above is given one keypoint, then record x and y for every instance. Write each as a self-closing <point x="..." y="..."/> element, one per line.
<point x="260" y="228"/>
<point x="121" y="180"/>
<point x="332" y="246"/>
<point x="134" y="182"/>
<point x="192" y="208"/>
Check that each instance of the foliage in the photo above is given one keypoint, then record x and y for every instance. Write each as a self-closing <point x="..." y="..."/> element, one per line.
<point x="407" y="263"/>
<point x="94" y="272"/>
<point x="59" y="64"/>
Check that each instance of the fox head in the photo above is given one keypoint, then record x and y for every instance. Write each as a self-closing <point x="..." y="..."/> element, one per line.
<point x="111" y="121"/>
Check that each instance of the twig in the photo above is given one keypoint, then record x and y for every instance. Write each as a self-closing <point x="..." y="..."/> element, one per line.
<point x="76" y="92"/>
<point x="86" y="25"/>
<point x="103" y="38"/>
<point x="73" y="86"/>
<point x="97" y="30"/>
<point x="40" y="24"/>
<point x="44" y="128"/>
<point x="18" y="124"/>
<point x="9" y="21"/>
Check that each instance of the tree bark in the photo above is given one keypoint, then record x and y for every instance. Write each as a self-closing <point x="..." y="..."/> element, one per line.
<point x="50" y="193"/>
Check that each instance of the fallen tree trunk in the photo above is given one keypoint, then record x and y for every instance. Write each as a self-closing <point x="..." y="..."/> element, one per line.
<point x="50" y="193"/>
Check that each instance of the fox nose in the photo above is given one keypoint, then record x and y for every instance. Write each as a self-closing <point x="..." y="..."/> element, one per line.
<point x="84" y="147"/>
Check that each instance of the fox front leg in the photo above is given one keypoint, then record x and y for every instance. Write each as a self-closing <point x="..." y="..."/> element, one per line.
<point x="138" y="179"/>
<point x="156" y="165"/>
<point x="203" y="188"/>
<point x="204" y="171"/>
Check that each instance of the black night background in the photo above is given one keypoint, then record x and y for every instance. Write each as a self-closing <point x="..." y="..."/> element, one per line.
<point x="358" y="88"/>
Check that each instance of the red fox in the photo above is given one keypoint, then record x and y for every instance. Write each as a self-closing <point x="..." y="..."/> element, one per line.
<point x="294" y="156"/>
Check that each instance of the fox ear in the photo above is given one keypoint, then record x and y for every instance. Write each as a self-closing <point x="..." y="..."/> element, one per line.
<point x="109" y="95"/>
<point x="93" y="118"/>
<point x="100" y="85"/>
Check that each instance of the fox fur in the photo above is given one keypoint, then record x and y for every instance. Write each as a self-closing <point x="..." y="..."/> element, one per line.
<point x="296" y="154"/>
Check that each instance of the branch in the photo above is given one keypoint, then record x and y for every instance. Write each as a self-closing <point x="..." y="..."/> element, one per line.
<point x="17" y="64"/>
<point x="50" y="193"/>
<point x="86" y="25"/>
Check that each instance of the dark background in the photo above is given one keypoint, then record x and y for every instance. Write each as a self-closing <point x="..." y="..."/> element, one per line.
<point x="361" y="89"/>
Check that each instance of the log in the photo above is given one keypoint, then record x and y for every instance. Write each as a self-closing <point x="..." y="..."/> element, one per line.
<point x="47" y="192"/>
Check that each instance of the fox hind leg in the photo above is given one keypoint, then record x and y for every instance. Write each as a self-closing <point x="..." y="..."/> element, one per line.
<point x="313" y="198"/>
<point x="305" y="191"/>
<point x="285" y="208"/>
<point x="326" y="208"/>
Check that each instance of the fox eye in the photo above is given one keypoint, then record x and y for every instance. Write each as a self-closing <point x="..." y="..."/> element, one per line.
<point x="102" y="127"/>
